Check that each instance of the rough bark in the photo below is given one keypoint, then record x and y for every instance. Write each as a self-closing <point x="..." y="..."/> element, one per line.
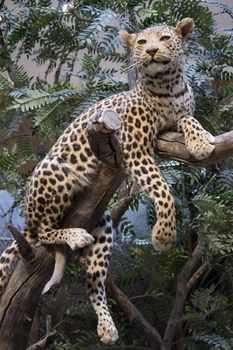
<point x="171" y="145"/>
<point x="21" y="297"/>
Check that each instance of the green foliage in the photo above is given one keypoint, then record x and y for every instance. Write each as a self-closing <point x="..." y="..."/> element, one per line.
<point x="83" y="63"/>
<point x="10" y="177"/>
<point x="204" y="305"/>
<point x="215" y="341"/>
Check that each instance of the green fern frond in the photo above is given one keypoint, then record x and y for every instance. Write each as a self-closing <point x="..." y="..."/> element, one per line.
<point x="5" y="84"/>
<point x="20" y="77"/>
<point x="204" y="202"/>
<point x="100" y="23"/>
<point x="28" y="100"/>
<point x="214" y="340"/>
<point x="226" y="91"/>
<point x="109" y="43"/>
<point x="10" y="177"/>
<point x="7" y="159"/>
<point x="42" y="116"/>
<point x="84" y="105"/>
<point x="33" y="100"/>
<point x="226" y="176"/>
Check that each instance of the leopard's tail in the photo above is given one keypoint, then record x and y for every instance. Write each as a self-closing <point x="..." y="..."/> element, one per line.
<point x="6" y="261"/>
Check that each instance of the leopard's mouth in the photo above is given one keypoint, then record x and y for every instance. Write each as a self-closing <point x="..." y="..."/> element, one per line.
<point x="160" y="61"/>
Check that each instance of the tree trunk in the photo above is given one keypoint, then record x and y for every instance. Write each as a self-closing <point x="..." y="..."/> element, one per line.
<point x="21" y="297"/>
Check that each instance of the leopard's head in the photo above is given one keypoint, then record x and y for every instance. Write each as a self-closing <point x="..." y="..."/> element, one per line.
<point x="157" y="47"/>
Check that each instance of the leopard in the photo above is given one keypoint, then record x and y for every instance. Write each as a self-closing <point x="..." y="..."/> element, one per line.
<point x="161" y="100"/>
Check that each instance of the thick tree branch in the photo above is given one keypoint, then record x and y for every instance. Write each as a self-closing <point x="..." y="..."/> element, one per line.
<point x="171" y="145"/>
<point x="120" y="209"/>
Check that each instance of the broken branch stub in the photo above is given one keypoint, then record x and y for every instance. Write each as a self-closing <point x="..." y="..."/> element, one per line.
<point x="26" y="251"/>
<point x="102" y="137"/>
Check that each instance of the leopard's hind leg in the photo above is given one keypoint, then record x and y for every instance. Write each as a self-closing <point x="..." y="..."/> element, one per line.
<point x="50" y="195"/>
<point x="96" y="259"/>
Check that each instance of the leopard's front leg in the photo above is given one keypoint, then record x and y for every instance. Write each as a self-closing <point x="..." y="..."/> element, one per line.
<point x="142" y="168"/>
<point x="198" y="141"/>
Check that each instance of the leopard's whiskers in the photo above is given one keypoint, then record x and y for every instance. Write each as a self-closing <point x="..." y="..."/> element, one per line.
<point x="132" y="65"/>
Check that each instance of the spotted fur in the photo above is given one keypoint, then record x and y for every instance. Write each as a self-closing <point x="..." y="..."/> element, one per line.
<point x="161" y="100"/>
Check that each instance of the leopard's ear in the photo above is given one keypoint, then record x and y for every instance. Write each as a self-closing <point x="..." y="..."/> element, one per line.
<point x="185" y="27"/>
<point x="128" y="39"/>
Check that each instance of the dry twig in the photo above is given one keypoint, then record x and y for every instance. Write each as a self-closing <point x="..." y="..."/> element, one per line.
<point x="50" y="331"/>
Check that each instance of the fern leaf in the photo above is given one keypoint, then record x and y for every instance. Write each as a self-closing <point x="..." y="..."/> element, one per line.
<point x="5" y="83"/>
<point x="41" y="117"/>
<point x="34" y="99"/>
<point x="20" y="77"/>
<point x="216" y="341"/>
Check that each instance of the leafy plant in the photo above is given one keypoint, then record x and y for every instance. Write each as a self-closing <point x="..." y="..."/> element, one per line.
<point x="83" y="62"/>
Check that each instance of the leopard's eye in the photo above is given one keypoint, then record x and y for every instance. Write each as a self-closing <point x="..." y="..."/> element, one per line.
<point x="141" y="41"/>
<point x="165" y="37"/>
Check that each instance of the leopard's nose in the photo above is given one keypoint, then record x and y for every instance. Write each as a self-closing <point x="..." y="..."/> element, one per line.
<point x="151" y="52"/>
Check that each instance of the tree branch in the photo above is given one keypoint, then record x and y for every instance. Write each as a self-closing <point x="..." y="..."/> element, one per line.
<point x="49" y="333"/>
<point x="26" y="251"/>
<point x="181" y="296"/>
<point x="171" y="145"/>
<point x="194" y="278"/>
<point x="119" y="210"/>
<point x="2" y="3"/>
<point x="151" y="334"/>
<point x="21" y="297"/>
<point x="6" y="59"/>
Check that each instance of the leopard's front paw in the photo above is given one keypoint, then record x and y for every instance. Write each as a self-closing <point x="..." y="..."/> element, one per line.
<point x="163" y="234"/>
<point x="202" y="147"/>
<point x="107" y="331"/>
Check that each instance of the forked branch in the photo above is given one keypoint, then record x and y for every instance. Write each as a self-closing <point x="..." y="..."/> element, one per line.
<point x="185" y="282"/>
